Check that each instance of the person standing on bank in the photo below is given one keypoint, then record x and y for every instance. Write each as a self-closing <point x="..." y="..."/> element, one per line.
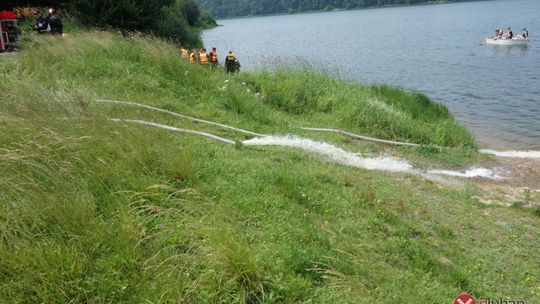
<point x="203" y="58"/>
<point x="184" y="54"/>
<point x="193" y="57"/>
<point x="214" y="58"/>
<point x="229" y="63"/>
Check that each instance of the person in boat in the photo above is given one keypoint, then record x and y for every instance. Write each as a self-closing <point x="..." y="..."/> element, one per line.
<point x="525" y="34"/>
<point x="509" y="34"/>
<point x="501" y="34"/>
<point x="497" y="32"/>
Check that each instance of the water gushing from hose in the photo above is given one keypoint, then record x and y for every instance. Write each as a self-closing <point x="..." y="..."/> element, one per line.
<point x="381" y="163"/>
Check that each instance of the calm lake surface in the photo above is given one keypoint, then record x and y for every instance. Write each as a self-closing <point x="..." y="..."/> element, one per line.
<point x="434" y="49"/>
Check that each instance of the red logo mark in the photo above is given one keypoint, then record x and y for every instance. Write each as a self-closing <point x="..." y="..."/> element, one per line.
<point x="465" y="299"/>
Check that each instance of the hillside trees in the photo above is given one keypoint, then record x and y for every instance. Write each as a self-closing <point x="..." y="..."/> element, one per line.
<point x="178" y="20"/>
<point x="231" y="8"/>
<point x="174" y="19"/>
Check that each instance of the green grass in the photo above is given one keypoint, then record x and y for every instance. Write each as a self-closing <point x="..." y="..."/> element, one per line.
<point x="100" y="212"/>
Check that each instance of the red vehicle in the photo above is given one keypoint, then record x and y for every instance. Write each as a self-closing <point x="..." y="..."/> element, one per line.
<point x="9" y="31"/>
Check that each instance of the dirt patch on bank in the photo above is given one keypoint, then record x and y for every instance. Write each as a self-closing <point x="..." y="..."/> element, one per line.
<point x="521" y="184"/>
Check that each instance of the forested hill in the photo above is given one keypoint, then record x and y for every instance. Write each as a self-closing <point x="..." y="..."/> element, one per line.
<point x="233" y="8"/>
<point x="178" y="20"/>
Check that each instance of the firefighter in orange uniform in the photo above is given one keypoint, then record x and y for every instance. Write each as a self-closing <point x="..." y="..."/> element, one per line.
<point x="184" y="54"/>
<point x="204" y="59"/>
<point x="214" y="58"/>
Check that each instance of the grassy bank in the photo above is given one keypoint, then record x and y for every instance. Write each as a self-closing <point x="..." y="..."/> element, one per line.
<point x="103" y="212"/>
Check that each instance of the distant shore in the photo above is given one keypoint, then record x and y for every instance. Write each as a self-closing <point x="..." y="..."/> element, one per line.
<point x="343" y="9"/>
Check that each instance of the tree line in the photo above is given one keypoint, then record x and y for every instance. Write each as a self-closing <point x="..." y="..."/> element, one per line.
<point x="178" y="20"/>
<point x="233" y="8"/>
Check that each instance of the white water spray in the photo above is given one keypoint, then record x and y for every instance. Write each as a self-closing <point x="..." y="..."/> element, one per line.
<point x="337" y="154"/>
<point x="514" y="154"/>
<point x="471" y="173"/>
<point x="341" y="156"/>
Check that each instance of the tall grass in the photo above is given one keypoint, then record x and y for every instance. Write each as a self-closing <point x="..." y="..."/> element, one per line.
<point x="99" y="212"/>
<point x="380" y="111"/>
<point x="144" y="68"/>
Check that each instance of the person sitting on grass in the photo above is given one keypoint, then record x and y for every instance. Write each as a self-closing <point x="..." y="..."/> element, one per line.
<point x="55" y="22"/>
<point x="42" y="24"/>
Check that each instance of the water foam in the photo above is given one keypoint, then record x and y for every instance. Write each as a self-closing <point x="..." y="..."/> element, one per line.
<point x="514" y="154"/>
<point x="337" y="154"/>
<point x="383" y="163"/>
<point x="471" y="173"/>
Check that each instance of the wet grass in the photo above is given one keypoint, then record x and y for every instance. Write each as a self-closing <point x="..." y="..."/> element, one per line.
<point x="101" y="212"/>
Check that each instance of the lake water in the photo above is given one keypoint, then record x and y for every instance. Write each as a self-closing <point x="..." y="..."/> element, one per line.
<point x="434" y="49"/>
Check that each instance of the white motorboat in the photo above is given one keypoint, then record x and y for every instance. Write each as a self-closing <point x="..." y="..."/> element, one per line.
<point x="505" y="41"/>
